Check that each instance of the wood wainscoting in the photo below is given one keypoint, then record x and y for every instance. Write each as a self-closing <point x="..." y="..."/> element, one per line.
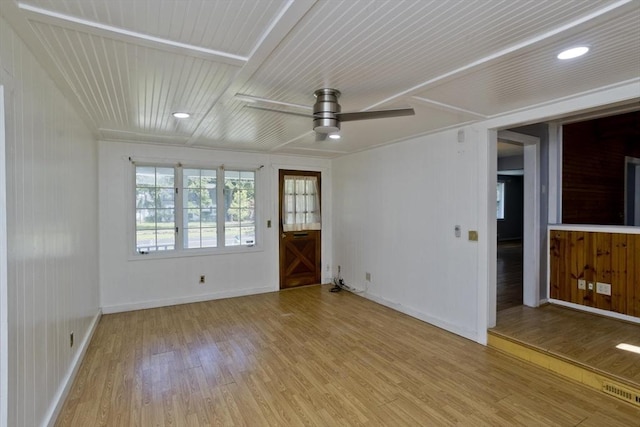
<point x="597" y="257"/>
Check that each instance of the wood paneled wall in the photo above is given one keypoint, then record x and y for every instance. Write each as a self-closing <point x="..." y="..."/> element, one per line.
<point x="52" y="234"/>
<point x="593" y="162"/>
<point x="596" y="257"/>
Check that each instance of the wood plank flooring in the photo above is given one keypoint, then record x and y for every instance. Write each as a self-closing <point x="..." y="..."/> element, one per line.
<point x="584" y="338"/>
<point x="310" y="357"/>
<point x="509" y="274"/>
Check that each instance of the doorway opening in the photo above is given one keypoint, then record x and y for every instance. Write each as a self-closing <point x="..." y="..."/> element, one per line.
<point x="518" y="257"/>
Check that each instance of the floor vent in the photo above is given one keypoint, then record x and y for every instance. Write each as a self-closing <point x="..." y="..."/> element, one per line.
<point x="621" y="393"/>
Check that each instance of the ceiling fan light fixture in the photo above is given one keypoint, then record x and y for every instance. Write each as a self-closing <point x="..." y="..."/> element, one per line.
<point x="573" y="52"/>
<point x="328" y="126"/>
<point x="334" y="136"/>
<point x="181" y="115"/>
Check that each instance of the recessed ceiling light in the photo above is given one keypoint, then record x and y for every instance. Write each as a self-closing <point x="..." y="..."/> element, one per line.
<point x="179" y="115"/>
<point x="574" y="52"/>
<point x="334" y="135"/>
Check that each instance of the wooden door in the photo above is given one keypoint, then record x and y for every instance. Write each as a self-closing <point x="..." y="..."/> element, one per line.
<point x="300" y="262"/>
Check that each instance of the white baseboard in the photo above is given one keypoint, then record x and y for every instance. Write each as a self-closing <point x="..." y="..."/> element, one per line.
<point x="142" y="305"/>
<point x="63" y="390"/>
<point x="594" y="310"/>
<point x="442" y="324"/>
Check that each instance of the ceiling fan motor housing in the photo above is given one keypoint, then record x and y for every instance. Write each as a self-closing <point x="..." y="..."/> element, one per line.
<point x="325" y="110"/>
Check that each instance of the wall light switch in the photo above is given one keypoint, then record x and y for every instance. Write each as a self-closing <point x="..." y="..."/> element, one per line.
<point x="458" y="231"/>
<point x="473" y="235"/>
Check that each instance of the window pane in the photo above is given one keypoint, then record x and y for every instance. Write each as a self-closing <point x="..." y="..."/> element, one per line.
<point x="155" y="209"/>
<point x="165" y="240"/>
<point x="165" y="198"/>
<point x="207" y="197"/>
<point x="145" y="241"/>
<point x="165" y="218"/>
<point x="164" y="177"/>
<point x="145" y="176"/>
<point x="239" y="199"/>
<point x="209" y="237"/>
<point x="199" y="190"/>
<point x="193" y="238"/>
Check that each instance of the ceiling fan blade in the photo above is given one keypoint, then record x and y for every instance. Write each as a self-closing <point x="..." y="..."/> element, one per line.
<point x="376" y="114"/>
<point x="275" y="110"/>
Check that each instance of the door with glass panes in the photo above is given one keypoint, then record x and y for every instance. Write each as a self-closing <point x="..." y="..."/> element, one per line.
<point x="300" y="228"/>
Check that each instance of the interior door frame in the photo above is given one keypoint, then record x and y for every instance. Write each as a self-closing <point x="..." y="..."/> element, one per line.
<point x="4" y="319"/>
<point x="301" y="172"/>
<point x="531" y="215"/>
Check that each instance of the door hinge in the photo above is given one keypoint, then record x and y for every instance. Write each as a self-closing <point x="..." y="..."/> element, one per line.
<point x="176" y="230"/>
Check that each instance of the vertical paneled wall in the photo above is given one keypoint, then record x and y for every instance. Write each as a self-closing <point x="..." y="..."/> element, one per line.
<point x="593" y="165"/>
<point x="396" y="208"/>
<point x="612" y="258"/>
<point x="51" y="233"/>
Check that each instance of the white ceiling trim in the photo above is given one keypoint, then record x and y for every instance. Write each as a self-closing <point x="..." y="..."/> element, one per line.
<point x="449" y="107"/>
<point x="256" y="99"/>
<point x="501" y="53"/>
<point x="288" y="18"/>
<point x="319" y="150"/>
<point x="291" y="141"/>
<point x="72" y="22"/>
<point x="632" y="94"/>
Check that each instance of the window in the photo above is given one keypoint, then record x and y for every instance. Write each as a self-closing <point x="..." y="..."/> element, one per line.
<point x="199" y="216"/>
<point x="239" y="207"/>
<point x="155" y="209"/>
<point x="500" y="206"/>
<point x="177" y="208"/>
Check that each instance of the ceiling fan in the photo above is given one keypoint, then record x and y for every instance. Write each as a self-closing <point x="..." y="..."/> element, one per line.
<point x="327" y="114"/>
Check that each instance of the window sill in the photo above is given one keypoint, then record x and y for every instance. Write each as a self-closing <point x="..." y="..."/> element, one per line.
<point x="235" y="250"/>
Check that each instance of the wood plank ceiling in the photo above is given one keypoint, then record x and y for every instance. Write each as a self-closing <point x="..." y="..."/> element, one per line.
<point x="128" y="64"/>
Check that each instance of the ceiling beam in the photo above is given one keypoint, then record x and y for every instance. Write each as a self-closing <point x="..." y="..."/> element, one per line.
<point x="74" y="23"/>
<point x="618" y="6"/>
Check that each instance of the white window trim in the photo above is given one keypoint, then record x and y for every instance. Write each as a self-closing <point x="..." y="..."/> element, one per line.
<point x="179" y="251"/>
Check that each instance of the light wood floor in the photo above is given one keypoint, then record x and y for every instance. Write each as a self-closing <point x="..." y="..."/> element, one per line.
<point x="509" y="274"/>
<point x="311" y="357"/>
<point x="585" y="338"/>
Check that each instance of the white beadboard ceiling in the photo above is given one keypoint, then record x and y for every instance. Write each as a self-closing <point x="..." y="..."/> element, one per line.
<point x="128" y="64"/>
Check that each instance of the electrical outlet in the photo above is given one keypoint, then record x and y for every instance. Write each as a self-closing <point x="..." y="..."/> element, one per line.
<point x="603" y="288"/>
<point x="71" y="339"/>
<point x="582" y="284"/>
<point x="202" y="279"/>
<point x="590" y="285"/>
<point x="367" y="277"/>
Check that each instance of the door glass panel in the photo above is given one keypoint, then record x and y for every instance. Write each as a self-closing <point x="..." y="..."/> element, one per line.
<point x="300" y="203"/>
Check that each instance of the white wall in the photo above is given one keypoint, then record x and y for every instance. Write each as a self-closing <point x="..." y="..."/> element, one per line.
<point x="395" y="210"/>
<point x="128" y="283"/>
<point x="51" y="235"/>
